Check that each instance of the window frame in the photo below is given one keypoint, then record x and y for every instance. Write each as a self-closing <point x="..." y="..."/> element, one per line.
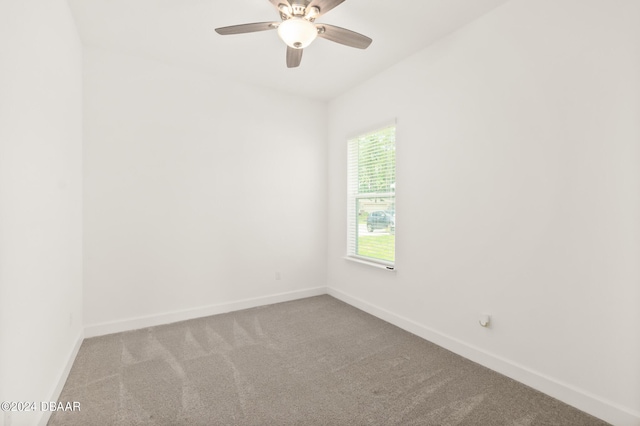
<point x="354" y="197"/>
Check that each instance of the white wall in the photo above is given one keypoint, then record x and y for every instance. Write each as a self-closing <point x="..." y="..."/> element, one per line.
<point x="518" y="148"/>
<point x="40" y="200"/>
<point x="197" y="191"/>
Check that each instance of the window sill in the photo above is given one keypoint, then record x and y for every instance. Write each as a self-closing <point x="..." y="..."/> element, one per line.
<point x="390" y="268"/>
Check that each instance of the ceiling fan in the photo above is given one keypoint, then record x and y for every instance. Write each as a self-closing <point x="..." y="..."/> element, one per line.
<point x="298" y="28"/>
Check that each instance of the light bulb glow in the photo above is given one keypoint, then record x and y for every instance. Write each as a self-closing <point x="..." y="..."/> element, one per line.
<point x="297" y="32"/>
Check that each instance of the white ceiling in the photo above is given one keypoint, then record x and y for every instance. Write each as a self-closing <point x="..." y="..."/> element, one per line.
<point x="182" y="32"/>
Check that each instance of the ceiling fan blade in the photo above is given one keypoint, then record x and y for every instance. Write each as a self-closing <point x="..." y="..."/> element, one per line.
<point x="294" y="56"/>
<point x="343" y="36"/>
<point x="247" y="28"/>
<point x="324" y="5"/>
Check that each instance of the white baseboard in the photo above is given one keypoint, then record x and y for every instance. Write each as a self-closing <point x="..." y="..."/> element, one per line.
<point x="55" y="395"/>
<point x="111" y="327"/>
<point x="585" y="401"/>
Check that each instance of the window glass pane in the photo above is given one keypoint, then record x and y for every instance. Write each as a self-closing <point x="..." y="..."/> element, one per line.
<point x="376" y="237"/>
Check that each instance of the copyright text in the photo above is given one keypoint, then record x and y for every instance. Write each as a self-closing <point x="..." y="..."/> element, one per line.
<point x="39" y="406"/>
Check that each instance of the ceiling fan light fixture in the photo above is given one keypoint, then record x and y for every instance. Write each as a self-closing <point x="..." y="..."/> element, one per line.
<point x="297" y="33"/>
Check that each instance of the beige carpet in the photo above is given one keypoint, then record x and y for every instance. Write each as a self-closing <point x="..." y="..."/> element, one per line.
<point x="315" y="361"/>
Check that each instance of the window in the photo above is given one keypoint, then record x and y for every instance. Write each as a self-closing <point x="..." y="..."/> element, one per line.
<point x="371" y="213"/>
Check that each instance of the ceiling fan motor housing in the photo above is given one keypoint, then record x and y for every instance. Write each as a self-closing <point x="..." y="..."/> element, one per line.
<point x="298" y="9"/>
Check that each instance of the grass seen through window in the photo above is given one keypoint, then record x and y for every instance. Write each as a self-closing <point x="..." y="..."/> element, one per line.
<point x="378" y="247"/>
